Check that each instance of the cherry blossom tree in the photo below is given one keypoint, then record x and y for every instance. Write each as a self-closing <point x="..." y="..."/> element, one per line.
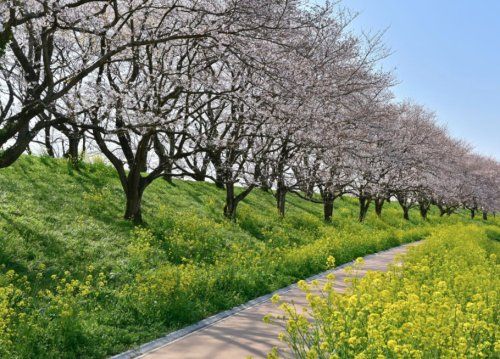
<point x="245" y="93"/>
<point x="54" y="45"/>
<point x="46" y="61"/>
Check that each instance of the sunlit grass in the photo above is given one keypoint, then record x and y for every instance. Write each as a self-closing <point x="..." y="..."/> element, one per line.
<point x="76" y="280"/>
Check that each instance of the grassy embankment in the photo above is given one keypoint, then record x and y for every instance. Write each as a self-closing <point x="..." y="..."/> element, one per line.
<point x="78" y="281"/>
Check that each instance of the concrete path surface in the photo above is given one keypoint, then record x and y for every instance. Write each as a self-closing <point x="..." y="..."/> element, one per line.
<point x="241" y="333"/>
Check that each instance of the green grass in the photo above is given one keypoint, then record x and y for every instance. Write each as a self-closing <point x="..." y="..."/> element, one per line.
<point x="76" y="280"/>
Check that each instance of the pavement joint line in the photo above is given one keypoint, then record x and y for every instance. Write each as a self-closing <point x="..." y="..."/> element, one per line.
<point x="154" y="345"/>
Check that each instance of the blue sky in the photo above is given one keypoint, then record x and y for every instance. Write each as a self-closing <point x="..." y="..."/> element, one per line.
<point x="446" y="55"/>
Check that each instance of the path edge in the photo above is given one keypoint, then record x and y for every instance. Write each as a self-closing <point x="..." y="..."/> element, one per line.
<point x="207" y="322"/>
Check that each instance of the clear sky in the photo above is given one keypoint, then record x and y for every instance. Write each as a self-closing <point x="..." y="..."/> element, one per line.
<point x="446" y="55"/>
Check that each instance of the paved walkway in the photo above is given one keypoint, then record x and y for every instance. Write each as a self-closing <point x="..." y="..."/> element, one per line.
<point x="241" y="333"/>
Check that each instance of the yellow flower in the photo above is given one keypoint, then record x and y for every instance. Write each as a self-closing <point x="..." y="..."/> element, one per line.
<point x="275" y="298"/>
<point x="391" y="344"/>
<point x="330" y="262"/>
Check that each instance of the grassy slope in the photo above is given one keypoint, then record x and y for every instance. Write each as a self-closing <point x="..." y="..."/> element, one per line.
<point x="187" y="264"/>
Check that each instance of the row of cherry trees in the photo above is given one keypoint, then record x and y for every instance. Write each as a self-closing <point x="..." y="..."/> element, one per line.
<point x="245" y="93"/>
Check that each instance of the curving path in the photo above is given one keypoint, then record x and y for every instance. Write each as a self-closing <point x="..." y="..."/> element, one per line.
<point x="240" y="332"/>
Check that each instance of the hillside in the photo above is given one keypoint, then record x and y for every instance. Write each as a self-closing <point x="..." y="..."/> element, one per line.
<point x="78" y="280"/>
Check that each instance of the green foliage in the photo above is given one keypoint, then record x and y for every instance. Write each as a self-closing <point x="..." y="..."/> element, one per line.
<point x="76" y="280"/>
<point x="441" y="303"/>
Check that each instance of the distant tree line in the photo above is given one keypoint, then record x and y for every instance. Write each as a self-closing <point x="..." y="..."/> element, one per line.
<point x="279" y="95"/>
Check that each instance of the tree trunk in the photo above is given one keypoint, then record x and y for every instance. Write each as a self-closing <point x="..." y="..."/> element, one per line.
<point x="328" y="208"/>
<point x="220" y="174"/>
<point x="259" y="177"/>
<point x="472" y="213"/>
<point x="309" y="192"/>
<point x="379" y="203"/>
<point x="10" y="154"/>
<point x="72" y="153"/>
<point x="133" y="210"/>
<point x="199" y="177"/>
<point x="364" y="204"/>
<point x="219" y="183"/>
<point x="163" y="158"/>
<point x="48" y="144"/>
<point x="230" y="207"/>
<point x="424" y="209"/>
<point x="232" y="200"/>
<point x="406" y="213"/>
<point x="73" y="149"/>
<point x="280" y="198"/>
<point x="442" y="210"/>
<point x="424" y="206"/>
<point x="136" y="184"/>
<point x="406" y="208"/>
<point x="280" y="177"/>
<point x="485" y="215"/>
<point x="168" y="172"/>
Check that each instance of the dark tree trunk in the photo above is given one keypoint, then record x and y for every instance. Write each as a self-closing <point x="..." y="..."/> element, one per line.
<point x="472" y="213"/>
<point x="406" y="208"/>
<point x="406" y="213"/>
<point x="199" y="170"/>
<point x="199" y="176"/>
<point x="424" y="206"/>
<point x="48" y="143"/>
<point x="328" y="210"/>
<point x="280" y="175"/>
<point x="424" y="209"/>
<point x="485" y="215"/>
<point x="133" y="210"/>
<point x="379" y="203"/>
<point x="259" y="177"/>
<point x="280" y="198"/>
<point x="230" y="207"/>
<point x="84" y="144"/>
<point x="219" y="182"/>
<point x="442" y="210"/>
<point x="233" y="200"/>
<point x="74" y="137"/>
<point x="164" y="158"/>
<point x="9" y="155"/>
<point x="364" y="204"/>
<point x="220" y="175"/>
<point x="134" y="189"/>
<point x="168" y="172"/>
<point x="309" y="192"/>
<point x="328" y="200"/>
<point x="133" y="183"/>
<point x="72" y="153"/>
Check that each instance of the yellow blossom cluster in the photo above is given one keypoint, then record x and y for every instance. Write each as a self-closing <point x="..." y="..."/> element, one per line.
<point x="6" y="312"/>
<point x="442" y="302"/>
<point x="25" y="308"/>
